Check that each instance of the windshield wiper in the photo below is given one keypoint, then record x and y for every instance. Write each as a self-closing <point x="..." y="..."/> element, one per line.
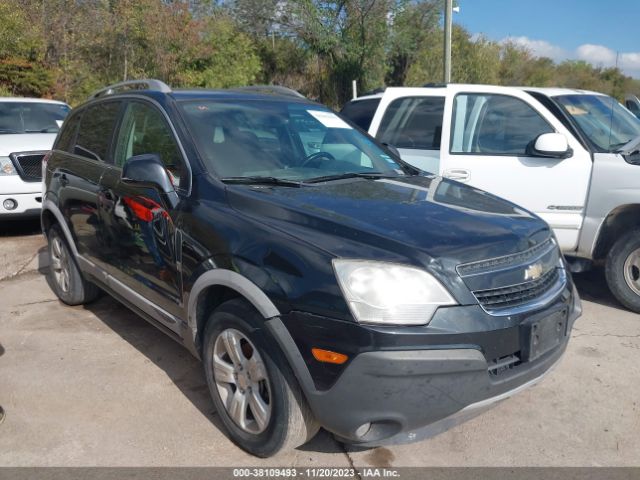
<point x="8" y="130"/>
<point x="340" y="176"/>
<point x="259" y="180"/>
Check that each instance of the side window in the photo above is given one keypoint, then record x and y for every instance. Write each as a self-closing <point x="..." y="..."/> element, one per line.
<point x="633" y="107"/>
<point x="68" y="133"/>
<point x="361" y="112"/>
<point x="145" y="130"/>
<point x="494" y="125"/>
<point x="96" y="130"/>
<point x="413" y="122"/>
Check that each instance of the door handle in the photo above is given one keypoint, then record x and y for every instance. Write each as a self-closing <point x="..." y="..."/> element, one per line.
<point x="459" y="174"/>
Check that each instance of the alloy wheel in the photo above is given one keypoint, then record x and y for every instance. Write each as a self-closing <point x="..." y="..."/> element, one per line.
<point x="632" y="271"/>
<point x="242" y="381"/>
<point x="60" y="264"/>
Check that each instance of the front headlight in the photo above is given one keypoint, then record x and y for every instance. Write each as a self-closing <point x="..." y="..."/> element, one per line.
<point x="390" y="294"/>
<point x="6" y="166"/>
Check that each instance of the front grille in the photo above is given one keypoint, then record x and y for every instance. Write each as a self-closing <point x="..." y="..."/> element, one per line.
<point x="517" y="295"/>
<point x="28" y="166"/>
<point x="506" y="261"/>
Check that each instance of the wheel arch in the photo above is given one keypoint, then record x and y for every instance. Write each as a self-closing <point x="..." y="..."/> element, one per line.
<point x="618" y="221"/>
<point x="213" y="288"/>
<point x="51" y="215"/>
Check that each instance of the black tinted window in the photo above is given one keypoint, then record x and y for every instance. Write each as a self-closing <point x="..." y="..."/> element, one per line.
<point x="413" y="122"/>
<point x="361" y="112"/>
<point x="96" y="130"/>
<point x="68" y="134"/>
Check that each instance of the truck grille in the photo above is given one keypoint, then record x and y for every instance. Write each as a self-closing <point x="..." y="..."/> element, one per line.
<point x="517" y="295"/>
<point x="28" y="165"/>
<point x="518" y="282"/>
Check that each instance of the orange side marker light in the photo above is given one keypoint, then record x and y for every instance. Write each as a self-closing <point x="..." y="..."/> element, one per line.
<point x="327" y="356"/>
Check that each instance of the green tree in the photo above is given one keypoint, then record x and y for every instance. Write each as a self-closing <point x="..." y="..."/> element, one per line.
<point x="413" y="27"/>
<point x="228" y="58"/>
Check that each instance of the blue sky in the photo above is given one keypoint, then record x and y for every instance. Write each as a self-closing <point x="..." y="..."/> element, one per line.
<point x="591" y="30"/>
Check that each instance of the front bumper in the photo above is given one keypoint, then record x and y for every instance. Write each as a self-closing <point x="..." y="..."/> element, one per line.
<point x="27" y="195"/>
<point x="28" y="205"/>
<point x="393" y="393"/>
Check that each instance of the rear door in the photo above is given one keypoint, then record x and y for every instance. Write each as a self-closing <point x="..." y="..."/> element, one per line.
<point x="140" y="221"/>
<point x="78" y="170"/>
<point x="486" y="146"/>
<point x="411" y="120"/>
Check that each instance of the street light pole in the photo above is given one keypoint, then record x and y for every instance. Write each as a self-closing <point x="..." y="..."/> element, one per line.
<point x="448" y="13"/>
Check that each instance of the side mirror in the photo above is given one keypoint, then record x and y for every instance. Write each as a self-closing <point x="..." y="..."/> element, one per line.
<point x="550" y="145"/>
<point x="147" y="169"/>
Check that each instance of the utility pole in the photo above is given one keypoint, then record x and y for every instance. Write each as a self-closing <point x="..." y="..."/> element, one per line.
<point x="448" y="14"/>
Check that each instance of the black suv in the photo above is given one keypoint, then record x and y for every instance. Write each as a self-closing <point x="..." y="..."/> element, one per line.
<point x="322" y="281"/>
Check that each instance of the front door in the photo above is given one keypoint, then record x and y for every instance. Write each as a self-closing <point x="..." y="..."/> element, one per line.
<point x="140" y="221"/>
<point x="486" y="147"/>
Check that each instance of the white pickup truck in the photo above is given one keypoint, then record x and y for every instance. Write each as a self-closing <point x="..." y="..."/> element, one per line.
<point x="570" y="156"/>
<point x="28" y="127"/>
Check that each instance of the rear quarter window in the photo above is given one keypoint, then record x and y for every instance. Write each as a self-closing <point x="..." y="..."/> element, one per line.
<point x="67" y="135"/>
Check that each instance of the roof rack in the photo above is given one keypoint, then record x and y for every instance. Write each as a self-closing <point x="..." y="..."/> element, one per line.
<point x="271" y="89"/>
<point x="146" y="84"/>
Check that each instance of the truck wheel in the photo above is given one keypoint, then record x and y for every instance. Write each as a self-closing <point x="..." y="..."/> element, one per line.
<point x="64" y="275"/>
<point x="254" y="391"/>
<point x="623" y="270"/>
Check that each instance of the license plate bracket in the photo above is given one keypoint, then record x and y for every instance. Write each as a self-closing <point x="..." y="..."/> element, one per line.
<point x="543" y="333"/>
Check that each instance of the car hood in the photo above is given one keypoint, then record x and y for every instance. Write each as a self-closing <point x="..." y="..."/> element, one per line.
<point x="25" y="142"/>
<point x="431" y="215"/>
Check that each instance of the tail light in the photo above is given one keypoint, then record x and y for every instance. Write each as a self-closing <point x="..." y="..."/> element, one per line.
<point x="45" y="160"/>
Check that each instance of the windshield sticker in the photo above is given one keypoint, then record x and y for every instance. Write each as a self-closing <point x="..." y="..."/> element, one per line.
<point x="329" y="119"/>
<point x="59" y="123"/>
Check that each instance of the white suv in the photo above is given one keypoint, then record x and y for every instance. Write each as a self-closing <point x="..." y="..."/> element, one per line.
<point x="28" y="127"/>
<point x="570" y="156"/>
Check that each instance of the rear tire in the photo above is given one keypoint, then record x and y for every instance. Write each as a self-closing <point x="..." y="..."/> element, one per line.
<point x="64" y="276"/>
<point x="622" y="270"/>
<point x="253" y="377"/>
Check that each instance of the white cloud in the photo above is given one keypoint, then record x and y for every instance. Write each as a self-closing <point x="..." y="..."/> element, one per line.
<point x="540" y="48"/>
<point x="597" y="55"/>
<point x="605" y="57"/>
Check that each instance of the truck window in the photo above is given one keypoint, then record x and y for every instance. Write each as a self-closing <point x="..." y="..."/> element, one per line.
<point x="494" y="125"/>
<point x="361" y="112"/>
<point x="634" y="108"/>
<point x="413" y="122"/>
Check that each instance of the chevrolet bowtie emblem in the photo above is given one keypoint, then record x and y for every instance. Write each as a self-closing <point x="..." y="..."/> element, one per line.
<point x="533" y="272"/>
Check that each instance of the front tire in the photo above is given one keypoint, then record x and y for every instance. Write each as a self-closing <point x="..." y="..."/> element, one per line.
<point x="64" y="276"/>
<point x="254" y="391"/>
<point x="622" y="270"/>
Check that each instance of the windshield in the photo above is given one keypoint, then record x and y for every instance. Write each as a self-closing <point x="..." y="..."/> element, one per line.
<point x="281" y="140"/>
<point x="31" y="117"/>
<point x="602" y="119"/>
